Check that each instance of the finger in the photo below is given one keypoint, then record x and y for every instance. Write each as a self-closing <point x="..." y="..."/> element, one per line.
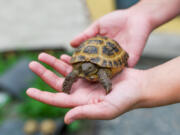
<point x="100" y="110"/>
<point x="133" y="59"/>
<point x="65" y="58"/>
<point x="60" y="66"/>
<point x="91" y="31"/>
<point x="135" y="48"/>
<point x="49" y="77"/>
<point x="55" y="99"/>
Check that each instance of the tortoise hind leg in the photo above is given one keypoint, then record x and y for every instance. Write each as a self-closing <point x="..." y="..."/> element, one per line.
<point x="69" y="80"/>
<point x="104" y="79"/>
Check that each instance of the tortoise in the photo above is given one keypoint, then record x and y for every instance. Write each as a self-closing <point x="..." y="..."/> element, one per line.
<point x="96" y="59"/>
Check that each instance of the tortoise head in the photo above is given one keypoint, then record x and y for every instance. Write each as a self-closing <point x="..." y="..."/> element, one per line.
<point x="89" y="68"/>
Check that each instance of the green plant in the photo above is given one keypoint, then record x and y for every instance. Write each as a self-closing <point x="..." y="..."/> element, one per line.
<point x="35" y="109"/>
<point x="75" y="126"/>
<point x="5" y="100"/>
<point x="31" y="108"/>
<point x="6" y="63"/>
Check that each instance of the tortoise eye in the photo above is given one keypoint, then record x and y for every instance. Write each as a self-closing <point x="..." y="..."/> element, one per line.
<point x="90" y="68"/>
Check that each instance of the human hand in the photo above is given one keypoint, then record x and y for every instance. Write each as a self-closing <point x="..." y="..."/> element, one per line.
<point x="88" y="100"/>
<point x="128" y="27"/>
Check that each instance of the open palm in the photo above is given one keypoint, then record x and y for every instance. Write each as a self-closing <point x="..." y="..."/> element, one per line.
<point x="129" y="29"/>
<point x="87" y="99"/>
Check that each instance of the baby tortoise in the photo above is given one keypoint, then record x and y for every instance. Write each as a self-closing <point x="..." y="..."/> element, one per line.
<point x="96" y="59"/>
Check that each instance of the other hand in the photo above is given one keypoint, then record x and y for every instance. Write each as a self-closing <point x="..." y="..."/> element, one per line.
<point x="130" y="29"/>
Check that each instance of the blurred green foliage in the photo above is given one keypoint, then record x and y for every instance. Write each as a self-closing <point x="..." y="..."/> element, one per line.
<point x="3" y="103"/>
<point x="73" y="127"/>
<point x="31" y="108"/>
<point x="38" y="109"/>
<point x="5" y="63"/>
<point x="1" y="115"/>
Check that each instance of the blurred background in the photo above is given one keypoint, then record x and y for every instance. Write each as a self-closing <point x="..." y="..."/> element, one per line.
<point x="30" y="27"/>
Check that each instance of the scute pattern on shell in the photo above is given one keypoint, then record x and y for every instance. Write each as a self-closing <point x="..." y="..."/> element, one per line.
<point x="102" y="51"/>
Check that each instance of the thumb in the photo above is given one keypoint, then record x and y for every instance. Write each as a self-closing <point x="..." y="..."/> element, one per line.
<point x="100" y="110"/>
<point x="91" y="31"/>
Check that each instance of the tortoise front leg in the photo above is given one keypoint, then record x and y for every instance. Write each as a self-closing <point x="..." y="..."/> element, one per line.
<point x="104" y="79"/>
<point x="69" y="80"/>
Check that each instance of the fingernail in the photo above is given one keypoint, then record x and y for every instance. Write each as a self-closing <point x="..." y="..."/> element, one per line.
<point x="32" y="64"/>
<point x="30" y="90"/>
<point x="41" y="55"/>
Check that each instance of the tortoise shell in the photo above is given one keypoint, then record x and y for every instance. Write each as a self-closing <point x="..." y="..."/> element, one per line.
<point x="101" y="51"/>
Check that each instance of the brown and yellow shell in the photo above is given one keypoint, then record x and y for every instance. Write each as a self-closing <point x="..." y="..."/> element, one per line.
<point x="103" y="52"/>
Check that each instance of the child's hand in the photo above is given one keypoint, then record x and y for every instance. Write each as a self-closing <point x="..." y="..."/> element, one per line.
<point x="88" y="100"/>
<point x="130" y="29"/>
<point x="131" y="88"/>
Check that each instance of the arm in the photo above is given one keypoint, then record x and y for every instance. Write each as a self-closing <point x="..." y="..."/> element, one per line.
<point x="158" y="11"/>
<point x="162" y="84"/>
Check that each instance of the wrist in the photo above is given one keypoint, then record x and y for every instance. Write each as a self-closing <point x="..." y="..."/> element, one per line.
<point x="146" y="90"/>
<point x="161" y="85"/>
<point x="141" y="84"/>
<point x="151" y="90"/>
<point x="140" y="13"/>
<point x="157" y="12"/>
<point x="154" y="92"/>
<point x="145" y="95"/>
